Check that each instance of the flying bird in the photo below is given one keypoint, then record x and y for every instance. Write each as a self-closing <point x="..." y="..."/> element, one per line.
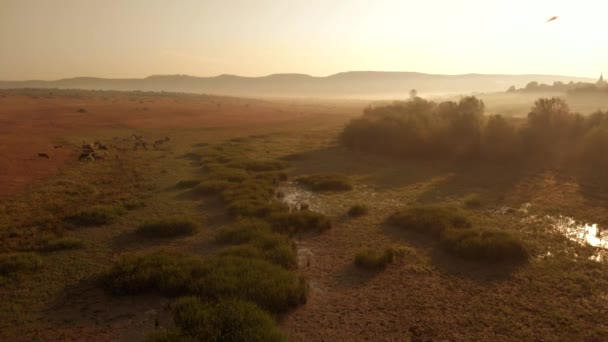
<point x="552" y="18"/>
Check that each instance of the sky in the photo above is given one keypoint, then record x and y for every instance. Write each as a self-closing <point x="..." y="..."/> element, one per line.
<point x="52" y="39"/>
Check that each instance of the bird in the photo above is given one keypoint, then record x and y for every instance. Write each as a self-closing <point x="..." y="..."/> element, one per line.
<point x="552" y="18"/>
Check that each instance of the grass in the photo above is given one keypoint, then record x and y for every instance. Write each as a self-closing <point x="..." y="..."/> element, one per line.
<point x="212" y="187"/>
<point x="270" y="286"/>
<point x="254" y="239"/>
<point x="63" y="244"/>
<point x="484" y="244"/>
<point x="225" y="320"/>
<point x="97" y="215"/>
<point x="168" y="228"/>
<point x="14" y="263"/>
<point x="326" y="182"/>
<point x="259" y="165"/>
<point x="187" y="184"/>
<point x="373" y="258"/>
<point x="358" y="210"/>
<point x="299" y="222"/>
<point x="429" y="219"/>
<point x="254" y="208"/>
<point x="473" y="201"/>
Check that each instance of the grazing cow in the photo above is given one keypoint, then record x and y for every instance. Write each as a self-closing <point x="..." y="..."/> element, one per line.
<point x="85" y="156"/>
<point x="43" y="155"/>
<point x="167" y="138"/>
<point x="57" y="146"/>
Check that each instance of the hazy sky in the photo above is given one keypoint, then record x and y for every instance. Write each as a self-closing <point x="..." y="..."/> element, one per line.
<point x="50" y="39"/>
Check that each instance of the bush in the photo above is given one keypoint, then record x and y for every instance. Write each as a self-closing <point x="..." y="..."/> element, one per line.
<point x="133" y="204"/>
<point x="167" y="228"/>
<point x="95" y="216"/>
<point x="250" y="190"/>
<point x="472" y="201"/>
<point x="212" y="187"/>
<point x="62" y="244"/>
<point x="374" y="259"/>
<point x="13" y="263"/>
<point x="220" y="172"/>
<point x="326" y="182"/>
<point x="357" y="210"/>
<point x="225" y="320"/>
<point x="187" y="184"/>
<point x="484" y="244"/>
<point x="272" y="177"/>
<point x="255" y="208"/>
<point x="259" y="165"/>
<point x="268" y="285"/>
<point x="169" y="335"/>
<point x="299" y="221"/>
<point x="429" y="219"/>
<point x="255" y="240"/>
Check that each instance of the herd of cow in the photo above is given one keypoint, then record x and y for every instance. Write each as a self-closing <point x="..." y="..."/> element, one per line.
<point x="99" y="151"/>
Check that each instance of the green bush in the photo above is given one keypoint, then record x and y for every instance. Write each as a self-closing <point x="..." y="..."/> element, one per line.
<point x="473" y="201"/>
<point x="270" y="286"/>
<point x="326" y="182"/>
<point x="254" y="239"/>
<point x="95" y="216"/>
<point x="374" y="259"/>
<point x="167" y="228"/>
<point x="259" y="165"/>
<point x="187" y="184"/>
<point x="483" y="244"/>
<point x="357" y="210"/>
<point x="225" y="320"/>
<point x="429" y="219"/>
<point x="212" y="187"/>
<point x="254" y="208"/>
<point x="242" y="231"/>
<point x="62" y="244"/>
<point x="299" y="221"/>
<point x="272" y="177"/>
<point x="14" y="263"/>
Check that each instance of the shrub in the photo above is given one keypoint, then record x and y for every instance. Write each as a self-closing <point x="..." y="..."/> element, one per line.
<point x="212" y="187"/>
<point x="254" y="239"/>
<point x="167" y="273"/>
<point x="250" y="190"/>
<point x="242" y="231"/>
<point x="299" y="221"/>
<point x="429" y="219"/>
<point x="259" y="165"/>
<point x="272" y="177"/>
<point x="169" y="335"/>
<point x="326" y="182"/>
<point x="484" y="244"/>
<point x="472" y="201"/>
<point x="254" y="208"/>
<point x="357" y="210"/>
<point x="14" y="263"/>
<point x="374" y="259"/>
<point x="187" y="184"/>
<point x="95" y="216"/>
<point x="133" y="204"/>
<point x="62" y="244"/>
<point x="167" y="227"/>
<point x="230" y="174"/>
<point x="225" y="320"/>
<point x="268" y="285"/>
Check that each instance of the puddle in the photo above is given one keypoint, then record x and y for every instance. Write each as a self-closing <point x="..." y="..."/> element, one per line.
<point x="295" y="197"/>
<point x="581" y="232"/>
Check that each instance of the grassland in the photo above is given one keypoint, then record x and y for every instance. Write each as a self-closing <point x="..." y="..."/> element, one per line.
<point x="70" y="279"/>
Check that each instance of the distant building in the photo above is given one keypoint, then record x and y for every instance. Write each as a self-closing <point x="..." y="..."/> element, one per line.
<point x="601" y="81"/>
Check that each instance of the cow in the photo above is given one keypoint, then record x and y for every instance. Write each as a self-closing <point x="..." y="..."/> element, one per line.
<point x="43" y="155"/>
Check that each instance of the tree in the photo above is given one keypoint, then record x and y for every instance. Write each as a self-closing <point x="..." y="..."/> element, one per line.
<point x="413" y="93"/>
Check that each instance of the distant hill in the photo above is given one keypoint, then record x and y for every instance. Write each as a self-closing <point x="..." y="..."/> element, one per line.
<point x="345" y="84"/>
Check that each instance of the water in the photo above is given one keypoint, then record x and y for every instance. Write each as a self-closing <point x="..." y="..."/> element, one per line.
<point x="583" y="233"/>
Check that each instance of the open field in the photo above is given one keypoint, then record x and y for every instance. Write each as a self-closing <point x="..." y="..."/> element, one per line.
<point x="76" y="221"/>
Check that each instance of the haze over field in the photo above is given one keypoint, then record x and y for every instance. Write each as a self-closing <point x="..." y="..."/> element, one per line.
<point x="50" y="40"/>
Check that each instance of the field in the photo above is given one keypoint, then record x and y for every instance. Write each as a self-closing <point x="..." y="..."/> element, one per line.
<point x="65" y="224"/>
